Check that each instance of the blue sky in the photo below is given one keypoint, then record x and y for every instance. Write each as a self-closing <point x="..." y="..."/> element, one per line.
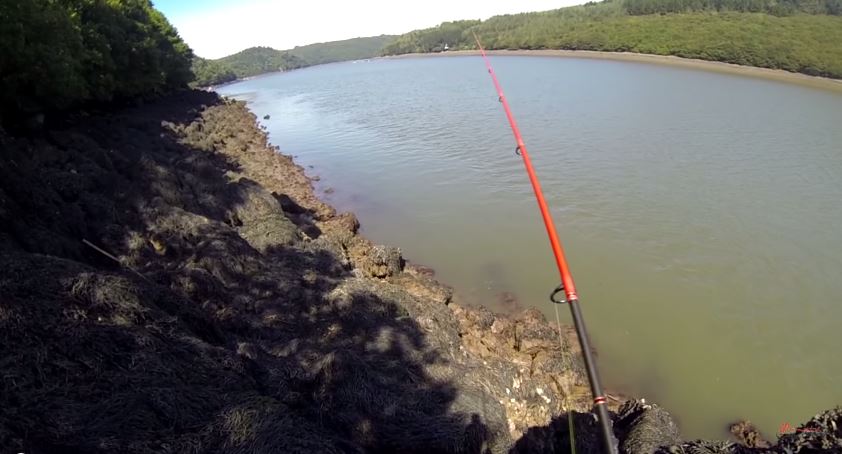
<point x="216" y="28"/>
<point x="180" y="8"/>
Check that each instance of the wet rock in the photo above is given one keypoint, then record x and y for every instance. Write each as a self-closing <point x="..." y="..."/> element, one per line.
<point x="535" y="379"/>
<point x="381" y="261"/>
<point x="645" y="429"/>
<point x="342" y="224"/>
<point x="419" y="270"/>
<point x="748" y="435"/>
<point x="424" y="288"/>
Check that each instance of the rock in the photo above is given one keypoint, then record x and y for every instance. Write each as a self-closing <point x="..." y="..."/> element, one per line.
<point x="259" y="218"/>
<point x="645" y="429"/>
<point x="748" y="435"/>
<point x="419" y="270"/>
<point x="345" y="221"/>
<point x="424" y="288"/>
<point x="822" y="433"/>
<point x="381" y="261"/>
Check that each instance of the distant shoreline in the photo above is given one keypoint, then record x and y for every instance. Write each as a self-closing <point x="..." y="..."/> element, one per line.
<point x="670" y="60"/>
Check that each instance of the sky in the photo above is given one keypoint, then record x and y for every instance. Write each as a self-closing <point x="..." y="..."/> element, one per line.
<point x="216" y="28"/>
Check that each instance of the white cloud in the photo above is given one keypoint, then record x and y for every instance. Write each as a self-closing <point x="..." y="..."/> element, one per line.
<point x="283" y="25"/>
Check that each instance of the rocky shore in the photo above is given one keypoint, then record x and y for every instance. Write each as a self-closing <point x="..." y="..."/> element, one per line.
<point x="171" y="283"/>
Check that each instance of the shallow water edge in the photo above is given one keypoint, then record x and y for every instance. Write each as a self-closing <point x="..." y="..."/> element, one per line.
<point x="671" y="60"/>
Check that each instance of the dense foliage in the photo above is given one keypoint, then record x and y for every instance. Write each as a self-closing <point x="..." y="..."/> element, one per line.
<point x="60" y="53"/>
<point x="716" y="30"/>
<point x="211" y="72"/>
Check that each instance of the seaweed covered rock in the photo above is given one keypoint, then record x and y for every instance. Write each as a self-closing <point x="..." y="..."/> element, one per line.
<point x="423" y="286"/>
<point x="536" y="375"/>
<point x="822" y="432"/>
<point x="645" y="428"/>
<point x="88" y="354"/>
<point x="748" y="435"/>
<point x="381" y="261"/>
<point x="259" y="218"/>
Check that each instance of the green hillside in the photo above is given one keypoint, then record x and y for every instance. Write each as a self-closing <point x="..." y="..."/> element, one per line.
<point x="349" y="49"/>
<point x="795" y="35"/>
<point x="259" y="60"/>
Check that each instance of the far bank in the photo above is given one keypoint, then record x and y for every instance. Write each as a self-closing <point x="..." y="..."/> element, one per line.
<point x="824" y="83"/>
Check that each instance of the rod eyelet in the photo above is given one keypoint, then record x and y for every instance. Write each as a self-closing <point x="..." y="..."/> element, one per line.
<point x="555" y="292"/>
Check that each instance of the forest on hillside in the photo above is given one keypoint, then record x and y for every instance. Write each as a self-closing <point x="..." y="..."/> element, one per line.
<point x="348" y="49"/>
<point x="794" y="35"/>
<point x="259" y="60"/>
<point x="61" y="53"/>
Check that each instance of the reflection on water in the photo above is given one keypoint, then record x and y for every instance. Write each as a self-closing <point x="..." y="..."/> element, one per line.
<point x="700" y="211"/>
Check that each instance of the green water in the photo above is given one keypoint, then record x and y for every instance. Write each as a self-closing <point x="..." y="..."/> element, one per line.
<point x="701" y="212"/>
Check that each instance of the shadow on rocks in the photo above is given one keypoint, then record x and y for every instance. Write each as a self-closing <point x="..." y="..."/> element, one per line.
<point x="228" y="325"/>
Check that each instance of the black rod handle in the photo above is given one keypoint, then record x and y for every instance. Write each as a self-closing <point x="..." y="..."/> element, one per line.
<point x="609" y="441"/>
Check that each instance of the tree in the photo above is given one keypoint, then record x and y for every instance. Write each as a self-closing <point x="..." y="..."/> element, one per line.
<point x="61" y="53"/>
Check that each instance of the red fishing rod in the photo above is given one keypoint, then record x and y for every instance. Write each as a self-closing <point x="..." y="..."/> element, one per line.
<point x="567" y="286"/>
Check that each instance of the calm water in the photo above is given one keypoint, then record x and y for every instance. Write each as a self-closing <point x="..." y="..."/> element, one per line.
<point x="701" y="212"/>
